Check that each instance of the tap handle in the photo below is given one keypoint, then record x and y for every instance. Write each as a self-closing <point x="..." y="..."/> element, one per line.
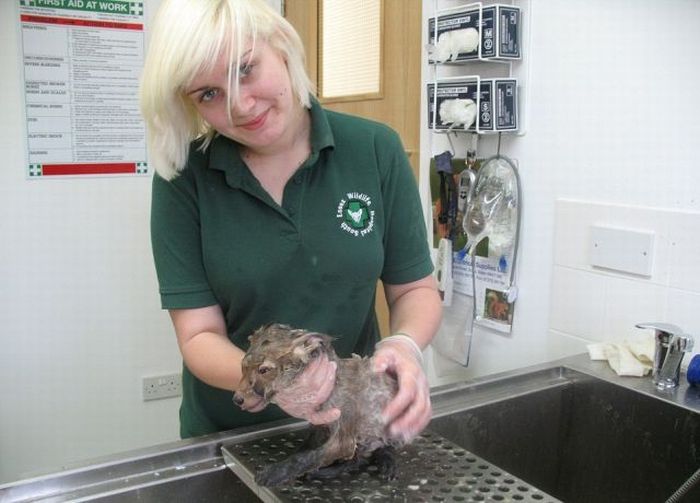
<point x="670" y="336"/>
<point x="661" y="328"/>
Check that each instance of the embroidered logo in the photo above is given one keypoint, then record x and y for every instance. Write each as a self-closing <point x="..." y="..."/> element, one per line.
<point x="356" y="214"/>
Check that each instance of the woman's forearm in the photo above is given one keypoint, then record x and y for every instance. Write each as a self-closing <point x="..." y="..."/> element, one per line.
<point x="415" y="309"/>
<point x="214" y="359"/>
<point x="206" y="350"/>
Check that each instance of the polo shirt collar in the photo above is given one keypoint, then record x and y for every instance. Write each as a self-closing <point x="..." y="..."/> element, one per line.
<point x="321" y="133"/>
<point x="225" y="155"/>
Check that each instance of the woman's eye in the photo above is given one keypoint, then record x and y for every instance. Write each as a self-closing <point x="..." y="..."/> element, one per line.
<point x="245" y="69"/>
<point x="208" y="95"/>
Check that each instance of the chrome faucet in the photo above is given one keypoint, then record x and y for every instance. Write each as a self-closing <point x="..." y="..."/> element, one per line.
<point x="671" y="344"/>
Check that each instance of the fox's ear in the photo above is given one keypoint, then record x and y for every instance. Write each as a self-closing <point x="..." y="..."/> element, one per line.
<point x="310" y="341"/>
<point x="259" y="330"/>
<point x="326" y="340"/>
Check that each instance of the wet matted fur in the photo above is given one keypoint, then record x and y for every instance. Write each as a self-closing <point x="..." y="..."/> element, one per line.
<point x="277" y="354"/>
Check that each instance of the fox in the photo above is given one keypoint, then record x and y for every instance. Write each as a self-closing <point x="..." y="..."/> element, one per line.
<point x="277" y="355"/>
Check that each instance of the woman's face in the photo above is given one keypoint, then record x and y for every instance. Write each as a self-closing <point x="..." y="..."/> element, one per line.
<point x="266" y="106"/>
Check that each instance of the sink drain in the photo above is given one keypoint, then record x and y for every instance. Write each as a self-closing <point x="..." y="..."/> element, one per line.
<point x="431" y="469"/>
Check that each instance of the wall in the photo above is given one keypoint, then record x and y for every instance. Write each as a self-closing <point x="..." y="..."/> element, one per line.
<point x="79" y="309"/>
<point x="615" y="301"/>
<point x="612" y="119"/>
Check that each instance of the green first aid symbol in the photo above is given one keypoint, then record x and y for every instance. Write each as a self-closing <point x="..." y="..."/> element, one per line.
<point x="356" y="214"/>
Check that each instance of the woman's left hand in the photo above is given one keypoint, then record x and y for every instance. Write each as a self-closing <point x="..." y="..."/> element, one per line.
<point x="410" y="411"/>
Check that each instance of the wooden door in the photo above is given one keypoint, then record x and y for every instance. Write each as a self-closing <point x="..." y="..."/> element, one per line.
<point x="398" y="105"/>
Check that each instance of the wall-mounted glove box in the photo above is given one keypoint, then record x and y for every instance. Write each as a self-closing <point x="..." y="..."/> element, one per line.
<point x="455" y="105"/>
<point x="475" y="32"/>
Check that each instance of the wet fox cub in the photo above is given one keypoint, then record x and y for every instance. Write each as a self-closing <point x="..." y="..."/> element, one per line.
<point x="277" y="354"/>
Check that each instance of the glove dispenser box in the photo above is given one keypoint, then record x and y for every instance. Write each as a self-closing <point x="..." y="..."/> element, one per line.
<point x="496" y="104"/>
<point x="491" y="32"/>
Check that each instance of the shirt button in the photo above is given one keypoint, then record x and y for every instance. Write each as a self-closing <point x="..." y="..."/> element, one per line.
<point x="298" y="179"/>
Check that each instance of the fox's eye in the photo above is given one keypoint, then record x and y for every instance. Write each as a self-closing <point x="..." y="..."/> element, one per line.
<point x="262" y="369"/>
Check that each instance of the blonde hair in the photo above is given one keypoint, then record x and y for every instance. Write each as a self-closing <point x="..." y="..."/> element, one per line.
<point x="187" y="38"/>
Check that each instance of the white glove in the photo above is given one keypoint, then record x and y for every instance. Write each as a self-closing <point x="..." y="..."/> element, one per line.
<point x="409" y="412"/>
<point x="309" y="391"/>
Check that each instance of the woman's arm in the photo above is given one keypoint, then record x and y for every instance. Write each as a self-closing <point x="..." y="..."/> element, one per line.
<point x="415" y="311"/>
<point x="205" y="347"/>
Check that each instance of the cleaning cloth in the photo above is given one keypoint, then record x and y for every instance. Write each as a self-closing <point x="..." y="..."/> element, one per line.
<point x="626" y="358"/>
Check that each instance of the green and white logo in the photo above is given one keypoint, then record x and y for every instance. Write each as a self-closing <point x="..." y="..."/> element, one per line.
<point x="356" y="214"/>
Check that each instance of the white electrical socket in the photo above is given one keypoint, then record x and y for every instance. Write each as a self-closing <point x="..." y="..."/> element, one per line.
<point x="162" y="386"/>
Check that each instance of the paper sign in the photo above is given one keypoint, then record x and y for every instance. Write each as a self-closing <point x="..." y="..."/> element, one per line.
<point x="82" y="60"/>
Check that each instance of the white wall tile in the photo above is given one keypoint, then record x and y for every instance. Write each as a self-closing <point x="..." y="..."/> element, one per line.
<point x="577" y="304"/>
<point x="560" y="344"/>
<point x="684" y="310"/>
<point x="628" y="302"/>
<point x="572" y="231"/>
<point x="684" y="256"/>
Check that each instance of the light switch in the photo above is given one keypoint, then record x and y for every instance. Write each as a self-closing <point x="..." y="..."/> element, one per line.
<point x="622" y="250"/>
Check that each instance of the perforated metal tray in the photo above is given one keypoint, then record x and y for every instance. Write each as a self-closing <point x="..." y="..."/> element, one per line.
<point x="431" y="469"/>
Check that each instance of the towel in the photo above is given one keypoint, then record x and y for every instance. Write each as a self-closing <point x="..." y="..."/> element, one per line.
<point x="626" y="358"/>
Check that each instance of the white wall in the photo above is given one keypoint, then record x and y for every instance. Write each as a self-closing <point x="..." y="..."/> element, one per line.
<point x="80" y="321"/>
<point x="613" y="118"/>
<point x="614" y="301"/>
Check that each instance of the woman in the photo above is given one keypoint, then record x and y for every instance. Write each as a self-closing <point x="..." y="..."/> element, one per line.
<point x="268" y="208"/>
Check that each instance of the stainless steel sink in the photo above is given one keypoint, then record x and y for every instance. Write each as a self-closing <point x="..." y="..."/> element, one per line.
<point x="570" y="430"/>
<point x="582" y="435"/>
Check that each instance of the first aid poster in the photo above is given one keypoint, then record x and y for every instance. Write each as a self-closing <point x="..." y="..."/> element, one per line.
<point x="82" y="61"/>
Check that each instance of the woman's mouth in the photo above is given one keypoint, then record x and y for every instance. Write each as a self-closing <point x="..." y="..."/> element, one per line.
<point x="256" y="122"/>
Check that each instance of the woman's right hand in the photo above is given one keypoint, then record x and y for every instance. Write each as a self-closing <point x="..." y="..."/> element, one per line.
<point x="309" y="391"/>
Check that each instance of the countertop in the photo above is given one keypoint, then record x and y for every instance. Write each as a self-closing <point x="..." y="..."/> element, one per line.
<point x="194" y="469"/>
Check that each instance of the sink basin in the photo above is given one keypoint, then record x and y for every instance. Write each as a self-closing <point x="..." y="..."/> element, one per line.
<point x="570" y="430"/>
<point x="579" y="437"/>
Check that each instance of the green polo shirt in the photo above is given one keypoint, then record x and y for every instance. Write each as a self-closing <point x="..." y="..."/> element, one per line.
<point x="350" y="215"/>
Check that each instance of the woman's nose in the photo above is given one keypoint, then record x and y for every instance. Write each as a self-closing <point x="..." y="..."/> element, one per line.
<point x="244" y="104"/>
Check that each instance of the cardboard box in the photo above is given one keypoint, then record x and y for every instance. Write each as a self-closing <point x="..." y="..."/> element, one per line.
<point x="497" y="101"/>
<point x="500" y="31"/>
